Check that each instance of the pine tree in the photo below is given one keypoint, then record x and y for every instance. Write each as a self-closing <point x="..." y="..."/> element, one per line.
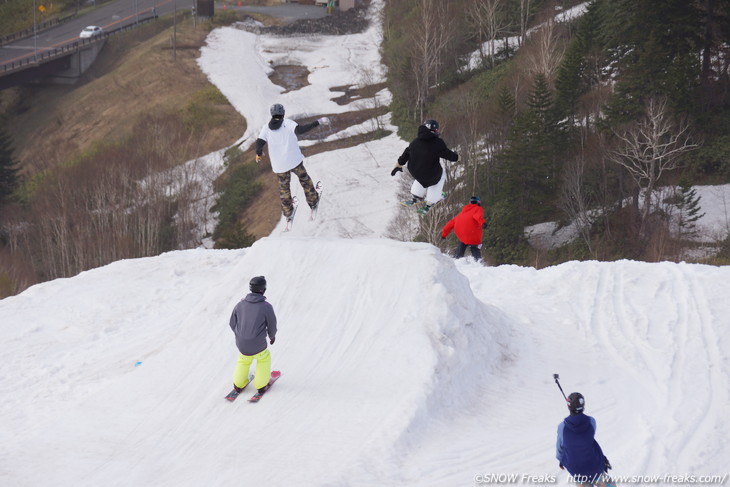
<point x="569" y="83"/>
<point x="656" y="57"/>
<point x="8" y="169"/>
<point x="689" y="209"/>
<point x="528" y="168"/>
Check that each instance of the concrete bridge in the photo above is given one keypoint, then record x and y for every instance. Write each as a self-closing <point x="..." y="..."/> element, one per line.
<point x="53" y="52"/>
<point x="63" y="64"/>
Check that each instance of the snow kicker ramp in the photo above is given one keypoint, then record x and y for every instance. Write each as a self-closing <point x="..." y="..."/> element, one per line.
<point x="117" y="376"/>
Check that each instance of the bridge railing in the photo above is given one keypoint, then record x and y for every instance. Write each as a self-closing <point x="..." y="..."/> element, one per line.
<point x="15" y="36"/>
<point x="45" y="55"/>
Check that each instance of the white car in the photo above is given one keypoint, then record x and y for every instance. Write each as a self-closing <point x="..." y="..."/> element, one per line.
<point x="91" y="31"/>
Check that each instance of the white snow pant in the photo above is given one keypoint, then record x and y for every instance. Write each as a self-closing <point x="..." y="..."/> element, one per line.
<point x="432" y="194"/>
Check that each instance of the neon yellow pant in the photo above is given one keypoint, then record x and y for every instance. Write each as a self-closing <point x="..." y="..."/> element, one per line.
<point x="263" y="369"/>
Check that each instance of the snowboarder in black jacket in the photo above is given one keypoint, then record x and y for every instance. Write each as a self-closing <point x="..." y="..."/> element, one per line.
<point x="423" y="159"/>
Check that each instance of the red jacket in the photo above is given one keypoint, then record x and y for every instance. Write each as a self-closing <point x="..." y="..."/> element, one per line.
<point x="467" y="225"/>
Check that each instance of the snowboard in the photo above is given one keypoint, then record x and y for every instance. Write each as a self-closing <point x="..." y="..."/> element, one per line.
<point x="319" y="189"/>
<point x="420" y="205"/>
<point x="234" y="393"/>
<point x="290" y="220"/>
<point x="275" y="374"/>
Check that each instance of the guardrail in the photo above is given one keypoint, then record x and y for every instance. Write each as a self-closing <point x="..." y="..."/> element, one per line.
<point x="16" y="36"/>
<point x="48" y="54"/>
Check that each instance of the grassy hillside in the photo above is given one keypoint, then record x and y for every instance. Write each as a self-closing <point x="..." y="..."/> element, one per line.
<point x="136" y="112"/>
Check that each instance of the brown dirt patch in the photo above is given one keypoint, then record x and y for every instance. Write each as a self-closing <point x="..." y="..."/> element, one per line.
<point x="290" y="77"/>
<point x="354" y="94"/>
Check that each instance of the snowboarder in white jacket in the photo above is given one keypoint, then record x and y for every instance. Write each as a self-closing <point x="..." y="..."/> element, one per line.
<point x="281" y="135"/>
<point x="252" y="320"/>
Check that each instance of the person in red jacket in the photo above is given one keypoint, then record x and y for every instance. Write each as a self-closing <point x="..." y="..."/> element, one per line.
<point x="468" y="226"/>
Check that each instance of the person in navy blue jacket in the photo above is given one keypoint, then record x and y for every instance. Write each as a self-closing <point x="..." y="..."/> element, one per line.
<point x="577" y="449"/>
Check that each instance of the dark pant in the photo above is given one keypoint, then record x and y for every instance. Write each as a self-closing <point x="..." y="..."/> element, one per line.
<point x="287" y="207"/>
<point x="476" y="252"/>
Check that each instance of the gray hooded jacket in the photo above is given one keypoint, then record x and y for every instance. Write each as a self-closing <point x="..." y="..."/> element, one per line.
<point x="252" y="319"/>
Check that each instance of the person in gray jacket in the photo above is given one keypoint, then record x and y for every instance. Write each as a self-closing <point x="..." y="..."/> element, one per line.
<point x="252" y="320"/>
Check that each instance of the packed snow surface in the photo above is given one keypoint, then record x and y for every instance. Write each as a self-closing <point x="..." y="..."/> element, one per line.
<point x="400" y="366"/>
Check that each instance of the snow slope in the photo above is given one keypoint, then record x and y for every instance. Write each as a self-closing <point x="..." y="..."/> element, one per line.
<point x="400" y="365"/>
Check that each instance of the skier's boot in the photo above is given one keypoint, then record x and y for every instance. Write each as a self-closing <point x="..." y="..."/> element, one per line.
<point x="424" y="209"/>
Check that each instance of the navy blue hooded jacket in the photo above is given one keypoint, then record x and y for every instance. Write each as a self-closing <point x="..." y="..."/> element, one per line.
<point x="577" y="449"/>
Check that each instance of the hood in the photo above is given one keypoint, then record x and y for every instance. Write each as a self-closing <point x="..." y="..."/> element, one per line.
<point x="579" y="423"/>
<point x="275" y="123"/>
<point x="254" y="298"/>
<point x="471" y="207"/>
<point x="425" y="134"/>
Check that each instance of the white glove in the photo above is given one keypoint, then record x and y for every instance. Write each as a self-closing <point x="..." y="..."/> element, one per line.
<point x="323" y="121"/>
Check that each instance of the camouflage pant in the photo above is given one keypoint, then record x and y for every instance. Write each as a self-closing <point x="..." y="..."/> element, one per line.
<point x="287" y="207"/>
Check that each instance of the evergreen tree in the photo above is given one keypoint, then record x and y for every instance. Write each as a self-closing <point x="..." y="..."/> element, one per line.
<point x="540" y="101"/>
<point x="654" y="45"/>
<point x="689" y="209"/>
<point x="506" y="103"/>
<point x="569" y="83"/>
<point x="582" y="64"/>
<point x="8" y="170"/>
<point x="528" y="168"/>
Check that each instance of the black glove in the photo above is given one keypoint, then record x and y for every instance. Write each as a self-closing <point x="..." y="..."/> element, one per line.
<point x="443" y="238"/>
<point x="484" y="225"/>
<point x="561" y="466"/>
<point x="395" y="170"/>
<point x="272" y="340"/>
<point x="607" y="464"/>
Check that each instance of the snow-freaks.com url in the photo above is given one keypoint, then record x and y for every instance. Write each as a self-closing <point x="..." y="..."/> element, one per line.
<point x="665" y="479"/>
<point x="670" y="479"/>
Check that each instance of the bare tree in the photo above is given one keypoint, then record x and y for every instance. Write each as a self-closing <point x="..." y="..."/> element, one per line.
<point x="431" y="36"/>
<point x="486" y="19"/>
<point x="524" y="19"/>
<point x="575" y="200"/>
<point x="547" y="52"/>
<point x="651" y="146"/>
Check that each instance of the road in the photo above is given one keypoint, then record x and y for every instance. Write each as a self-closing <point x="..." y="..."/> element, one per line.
<point x="110" y="17"/>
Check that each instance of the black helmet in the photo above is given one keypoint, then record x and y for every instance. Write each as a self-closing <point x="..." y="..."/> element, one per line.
<point x="576" y="402"/>
<point x="257" y="284"/>
<point x="277" y="110"/>
<point x="475" y="200"/>
<point x="431" y="125"/>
